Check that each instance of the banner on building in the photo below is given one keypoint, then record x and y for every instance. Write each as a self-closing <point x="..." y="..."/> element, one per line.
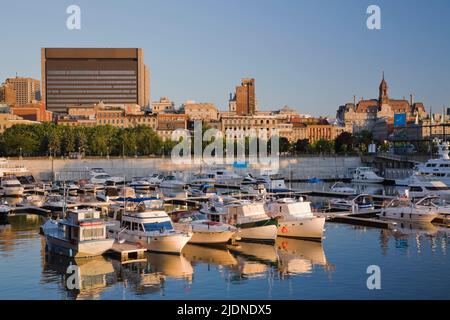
<point x="399" y="120"/>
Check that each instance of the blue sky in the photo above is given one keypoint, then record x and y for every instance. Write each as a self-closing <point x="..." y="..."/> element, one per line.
<point x="311" y="55"/>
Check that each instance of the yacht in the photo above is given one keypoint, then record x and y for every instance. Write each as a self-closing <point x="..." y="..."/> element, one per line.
<point x="365" y="175"/>
<point x="249" y="217"/>
<point x="155" y="179"/>
<point x="405" y="209"/>
<point x="11" y="186"/>
<point x="226" y="177"/>
<point x="340" y="187"/>
<point x="96" y="171"/>
<point x="421" y="188"/>
<point x="362" y="201"/>
<point x="145" y="223"/>
<point x="81" y="234"/>
<point x="104" y="178"/>
<point x="172" y="182"/>
<point x="254" y="189"/>
<point x="204" y="231"/>
<point x="140" y="184"/>
<point x="437" y="169"/>
<point x="71" y="188"/>
<point x="205" y="190"/>
<point x="442" y="207"/>
<point x="115" y="194"/>
<point x="8" y="169"/>
<point x="296" y="220"/>
<point x="274" y="183"/>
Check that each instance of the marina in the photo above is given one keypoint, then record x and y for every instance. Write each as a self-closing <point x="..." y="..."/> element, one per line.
<point x="252" y="229"/>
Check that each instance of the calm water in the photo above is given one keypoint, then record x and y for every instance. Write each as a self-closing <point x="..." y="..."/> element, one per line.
<point x="414" y="264"/>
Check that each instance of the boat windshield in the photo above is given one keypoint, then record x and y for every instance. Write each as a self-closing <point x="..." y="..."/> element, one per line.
<point x="154" y="204"/>
<point x="158" y="226"/>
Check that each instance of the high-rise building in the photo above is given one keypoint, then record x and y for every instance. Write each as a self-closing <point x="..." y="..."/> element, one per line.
<point x="7" y="94"/>
<point x="27" y="89"/>
<point x="245" y="97"/>
<point x="73" y="76"/>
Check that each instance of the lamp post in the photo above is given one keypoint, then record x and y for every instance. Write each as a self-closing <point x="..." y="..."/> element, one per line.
<point x="107" y="153"/>
<point x="20" y="154"/>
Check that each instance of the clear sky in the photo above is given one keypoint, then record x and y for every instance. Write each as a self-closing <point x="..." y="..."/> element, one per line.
<point x="311" y="55"/>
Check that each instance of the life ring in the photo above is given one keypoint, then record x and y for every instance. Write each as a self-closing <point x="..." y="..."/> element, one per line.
<point x="138" y="245"/>
<point x="284" y="229"/>
<point x="284" y="244"/>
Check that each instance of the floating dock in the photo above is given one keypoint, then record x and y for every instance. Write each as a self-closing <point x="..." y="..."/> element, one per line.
<point x="128" y="252"/>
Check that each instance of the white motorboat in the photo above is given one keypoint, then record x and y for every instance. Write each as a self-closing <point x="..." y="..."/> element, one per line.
<point x="11" y="186"/>
<point x="172" y="182"/>
<point x="200" y="179"/>
<point x="35" y="200"/>
<point x="205" y="190"/>
<point x="249" y="217"/>
<point x="365" y="175"/>
<point x="115" y="194"/>
<point x="296" y="220"/>
<point x="145" y="223"/>
<point x="274" y="183"/>
<point x="421" y="188"/>
<point x="155" y="179"/>
<point x="4" y="209"/>
<point x="140" y="184"/>
<point x="204" y="231"/>
<point x="362" y="201"/>
<point x="70" y="187"/>
<point x="106" y="179"/>
<point x="405" y="209"/>
<point x="81" y="234"/>
<point x="342" y="188"/>
<point x="254" y="189"/>
<point x="441" y="205"/>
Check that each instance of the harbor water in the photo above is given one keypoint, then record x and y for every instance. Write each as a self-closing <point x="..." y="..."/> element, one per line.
<point x="413" y="260"/>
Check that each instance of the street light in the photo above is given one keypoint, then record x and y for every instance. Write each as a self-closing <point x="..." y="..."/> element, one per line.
<point x="20" y="155"/>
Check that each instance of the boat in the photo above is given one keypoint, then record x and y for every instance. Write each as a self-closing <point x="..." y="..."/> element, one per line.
<point x="340" y="187"/>
<point x="35" y="200"/>
<point x="421" y="188"/>
<point x="11" y="186"/>
<point x="365" y="175"/>
<point x="274" y="183"/>
<point x="145" y="223"/>
<point x="71" y="188"/>
<point x="4" y="209"/>
<point x="249" y="217"/>
<point x="362" y="201"/>
<point x="115" y="193"/>
<point x="205" y="231"/>
<point x="254" y="189"/>
<point x="155" y="179"/>
<point x="404" y="209"/>
<point x="296" y="220"/>
<point x="140" y="184"/>
<point x="200" y="179"/>
<point x="106" y="179"/>
<point x="436" y="169"/>
<point x="172" y="182"/>
<point x="442" y="207"/>
<point x="205" y="190"/>
<point x="80" y="234"/>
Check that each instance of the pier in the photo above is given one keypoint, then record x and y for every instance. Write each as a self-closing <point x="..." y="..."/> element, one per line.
<point x="128" y="252"/>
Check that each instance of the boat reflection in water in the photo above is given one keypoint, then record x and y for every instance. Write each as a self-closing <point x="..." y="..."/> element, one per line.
<point x="220" y="256"/>
<point x="94" y="275"/>
<point x="150" y="276"/>
<point x="299" y="256"/>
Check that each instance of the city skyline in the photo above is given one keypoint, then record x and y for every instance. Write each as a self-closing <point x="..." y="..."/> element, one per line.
<point x="196" y="52"/>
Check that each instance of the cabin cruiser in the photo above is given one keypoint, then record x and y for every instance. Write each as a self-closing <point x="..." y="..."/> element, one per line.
<point x="70" y="187"/>
<point x="362" y="201"/>
<point x="205" y="190"/>
<point x="114" y="194"/>
<point x="104" y="178"/>
<point x="81" y="234"/>
<point x="273" y="183"/>
<point x="96" y="171"/>
<point x="423" y="187"/>
<point x="145" y="223"/>
<point x="35" y="200"/>
<point x="442" y="207"/>
<point x="254" y="189"/>
<point x="365" y="175"/>
<point x="11" y="186"/>
<point x="405" y="209"/>
<point x="296" y="220"/>
<point x="204" y="231"/>
<point x="172" y="182"/>
<point x="249" y="217"/>
<point x="342" y="188"/>
<point x="140" y="184"/>
<point x="200" y="179"/>
<point x="155" y="179"/>
<point x="8" y="169"/>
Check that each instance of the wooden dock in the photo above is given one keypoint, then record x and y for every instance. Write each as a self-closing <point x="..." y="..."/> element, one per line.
<point x="129" y="252"/>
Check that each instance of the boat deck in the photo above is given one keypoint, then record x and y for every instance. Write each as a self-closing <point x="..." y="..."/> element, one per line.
<point x="128" y="252"/>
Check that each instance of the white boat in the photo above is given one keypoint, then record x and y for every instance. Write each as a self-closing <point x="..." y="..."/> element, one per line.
<point x="104" y="178"/>
<point x="11" y="186"/>
<point x="365" y="175"/>
<point x="96" y="171"/>
<point x="254" y="189"/>
<point x="204" y="231"/>
<point x="442" y="207"/>
<point x="362" y="201"/>
<point x="155" y="179"/>
<point x="342" y="188"/>
<point x="172" y="182"/>
<point x="421" y="188"/>
<point x="296" y="220"/>
<point x="81" y="234"/>
<point x="35" y="200"/>
<point x="405" y="209"/>
<point x="71" y="188"/>
<point x="273" y="183"/>
<point x="149" y="226"/>
<point x="250" y="218"/>
<point x="140" y="184"/>
<point x="205" y="190"/>
<point x="4" y="209"/>
<point x="8" y="169"/>
<point x="115" y="194"/>
<point x="200" y="179"/>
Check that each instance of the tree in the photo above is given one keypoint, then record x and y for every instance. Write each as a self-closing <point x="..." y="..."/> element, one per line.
<point x="343" y="142"/>
<point x="324" y="146"/>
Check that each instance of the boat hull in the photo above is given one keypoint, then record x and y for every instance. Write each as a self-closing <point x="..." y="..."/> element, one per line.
<point x="78" y="250"/>
<point x="14" y="191"/>
<point x="168" y="244"/>
<point x="311" y="229"/>
<point x="209" y="238"/>
<point x="266" y="233"/>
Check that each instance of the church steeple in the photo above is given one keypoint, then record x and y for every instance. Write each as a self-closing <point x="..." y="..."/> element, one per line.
<point x="383" y="92"/>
